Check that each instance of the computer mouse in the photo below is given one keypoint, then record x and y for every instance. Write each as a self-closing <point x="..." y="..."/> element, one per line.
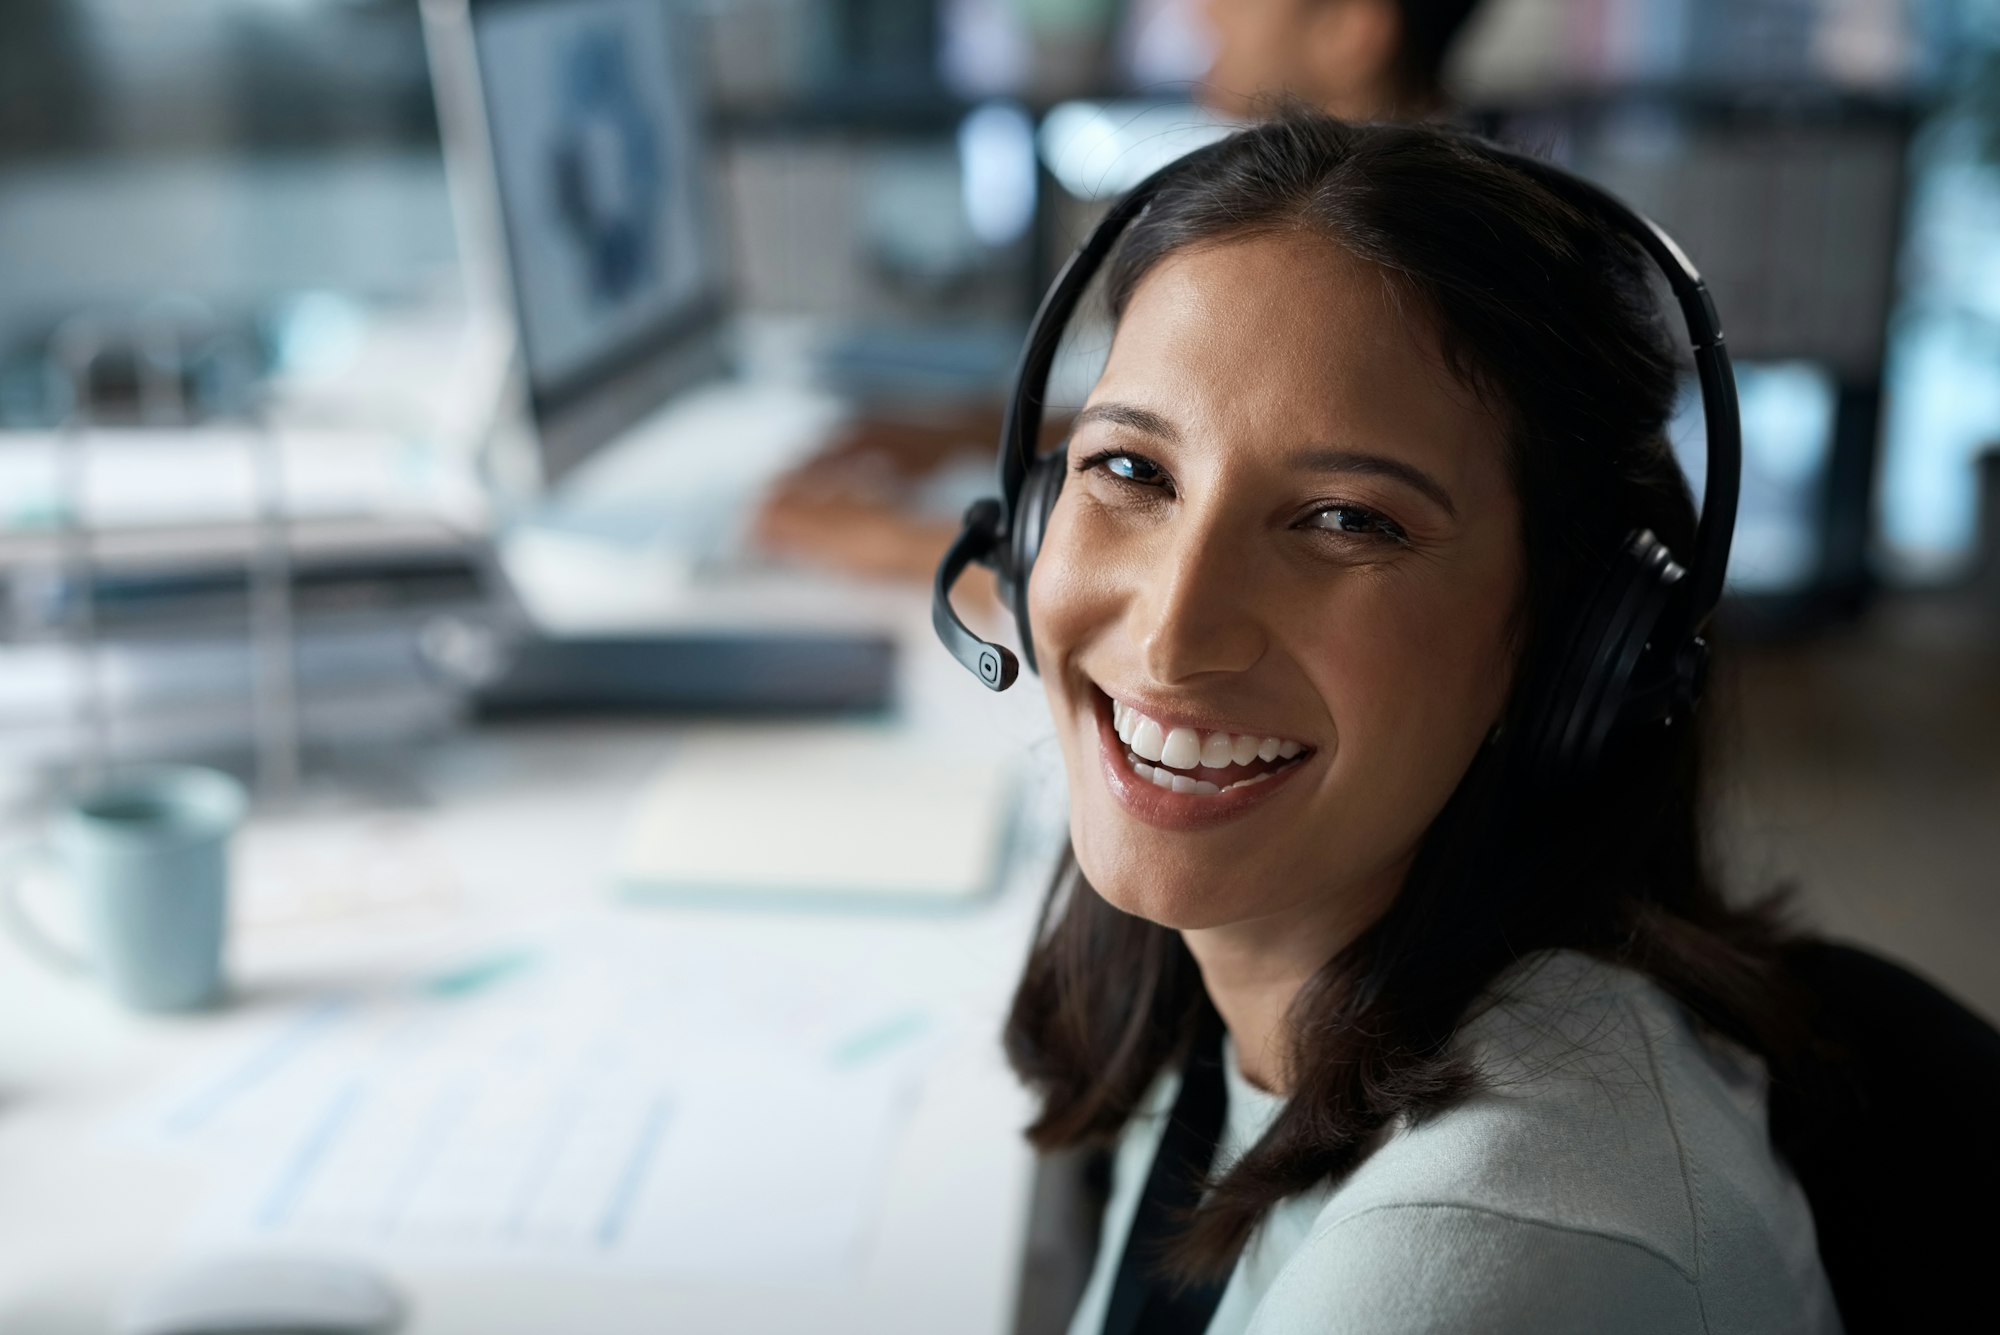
<point x="266" y="1295"/>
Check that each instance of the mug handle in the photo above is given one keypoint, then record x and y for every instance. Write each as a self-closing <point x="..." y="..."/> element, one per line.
<point x="21" y="924"/>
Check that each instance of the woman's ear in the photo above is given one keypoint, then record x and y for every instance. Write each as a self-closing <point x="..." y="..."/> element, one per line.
<point x="1349" y="57"/>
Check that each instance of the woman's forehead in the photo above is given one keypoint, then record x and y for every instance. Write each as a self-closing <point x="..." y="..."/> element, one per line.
<point x="1289" y="337"/>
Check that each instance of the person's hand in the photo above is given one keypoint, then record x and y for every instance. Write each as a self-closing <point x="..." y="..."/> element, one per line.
<point x="850" y="507"/>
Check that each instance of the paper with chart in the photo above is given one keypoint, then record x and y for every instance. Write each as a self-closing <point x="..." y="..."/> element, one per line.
<point x="560" y="1108"/>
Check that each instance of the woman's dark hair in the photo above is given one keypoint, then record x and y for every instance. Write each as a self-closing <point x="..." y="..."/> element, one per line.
<point x="1548" y="314"/>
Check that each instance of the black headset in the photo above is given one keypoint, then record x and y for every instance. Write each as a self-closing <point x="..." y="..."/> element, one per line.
<point x="1637" y="653"/>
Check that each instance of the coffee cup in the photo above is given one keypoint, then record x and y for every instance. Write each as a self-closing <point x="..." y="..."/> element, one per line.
<point x="146" y="853"/>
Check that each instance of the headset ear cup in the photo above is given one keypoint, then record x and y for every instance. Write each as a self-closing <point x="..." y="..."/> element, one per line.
<point x="1623" y="625"/>
<point x="1039" y="490"/>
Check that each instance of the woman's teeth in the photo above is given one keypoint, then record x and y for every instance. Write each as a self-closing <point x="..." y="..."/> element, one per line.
<point x="1160" y="776"/>
<point x="1184" y="748"/>
<point x="1157" y="751"/>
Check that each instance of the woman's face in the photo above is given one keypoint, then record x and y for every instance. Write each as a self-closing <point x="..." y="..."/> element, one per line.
<point x="1273" y="608"/>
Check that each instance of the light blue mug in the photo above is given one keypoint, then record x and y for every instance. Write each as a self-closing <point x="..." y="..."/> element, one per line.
<point x="147" y="852"/>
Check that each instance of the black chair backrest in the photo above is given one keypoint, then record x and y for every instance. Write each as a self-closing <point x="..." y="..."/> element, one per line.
<point x="1894" y="1133"/>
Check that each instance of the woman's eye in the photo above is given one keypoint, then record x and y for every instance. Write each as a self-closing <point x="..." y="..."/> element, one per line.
<point x="1356" y="522"/>
<point x="1131" y="468"/>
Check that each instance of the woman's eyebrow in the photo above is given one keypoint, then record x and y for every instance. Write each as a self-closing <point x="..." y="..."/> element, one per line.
<point x="1143" y="420"/>
<point x="1378" y="465"/>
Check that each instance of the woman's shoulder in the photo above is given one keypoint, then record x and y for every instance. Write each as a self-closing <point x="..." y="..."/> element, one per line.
<point x="1583" y="1068"/>
<point x="1401" y="1269"/>
<point x="1614" y="1155"/>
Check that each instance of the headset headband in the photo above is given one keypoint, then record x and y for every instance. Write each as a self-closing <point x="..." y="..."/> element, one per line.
<point x="991" y="525"/>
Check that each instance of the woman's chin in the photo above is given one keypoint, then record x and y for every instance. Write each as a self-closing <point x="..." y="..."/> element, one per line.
<point x="1130" y="870"/>
<point x="1179" y="903"/>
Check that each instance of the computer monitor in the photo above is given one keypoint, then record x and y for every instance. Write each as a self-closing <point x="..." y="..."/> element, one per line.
<point x="583" y="187"/>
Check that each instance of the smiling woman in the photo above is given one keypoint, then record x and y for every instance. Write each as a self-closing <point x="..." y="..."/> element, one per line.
<point x="1380" y="412"/>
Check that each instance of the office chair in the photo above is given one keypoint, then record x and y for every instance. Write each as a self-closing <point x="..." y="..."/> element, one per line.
<point x="1893" y="1130"/>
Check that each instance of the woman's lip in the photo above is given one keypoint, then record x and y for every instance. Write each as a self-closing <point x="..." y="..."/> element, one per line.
<point x="1165" y="809"/>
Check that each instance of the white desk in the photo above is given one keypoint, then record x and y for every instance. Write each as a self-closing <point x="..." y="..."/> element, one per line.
<point x="524" y="824"/>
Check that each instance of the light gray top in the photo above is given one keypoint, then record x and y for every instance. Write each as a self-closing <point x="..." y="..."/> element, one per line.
<point x="1614" y="1175"/>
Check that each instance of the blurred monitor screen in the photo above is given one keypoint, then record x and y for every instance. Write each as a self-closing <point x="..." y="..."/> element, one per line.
<point x="1788" y="423"/>
<point x="603" y="204"/>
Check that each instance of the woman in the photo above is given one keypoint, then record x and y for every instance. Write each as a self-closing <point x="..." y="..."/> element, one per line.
<point x="1378" y="409"/>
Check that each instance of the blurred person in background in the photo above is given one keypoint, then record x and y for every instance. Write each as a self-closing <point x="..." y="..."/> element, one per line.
<point x="1356" y="59"/>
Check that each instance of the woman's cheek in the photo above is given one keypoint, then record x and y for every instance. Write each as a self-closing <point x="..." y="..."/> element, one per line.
<point x="1065" y="605"/>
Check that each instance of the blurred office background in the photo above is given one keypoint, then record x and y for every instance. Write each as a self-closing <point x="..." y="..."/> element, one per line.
<point x="908" y="166"/>
<point x="262" y="395"/>
<point x="254" y="191"/>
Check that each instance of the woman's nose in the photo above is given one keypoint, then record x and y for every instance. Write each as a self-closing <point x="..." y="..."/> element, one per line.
<point x="1192" y="611"/>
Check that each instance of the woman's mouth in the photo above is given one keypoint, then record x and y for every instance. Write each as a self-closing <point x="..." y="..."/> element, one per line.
<point x="1175" y="775"/>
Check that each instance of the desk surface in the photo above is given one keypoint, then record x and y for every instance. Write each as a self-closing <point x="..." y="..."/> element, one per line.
<point x="522" y="825"/>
